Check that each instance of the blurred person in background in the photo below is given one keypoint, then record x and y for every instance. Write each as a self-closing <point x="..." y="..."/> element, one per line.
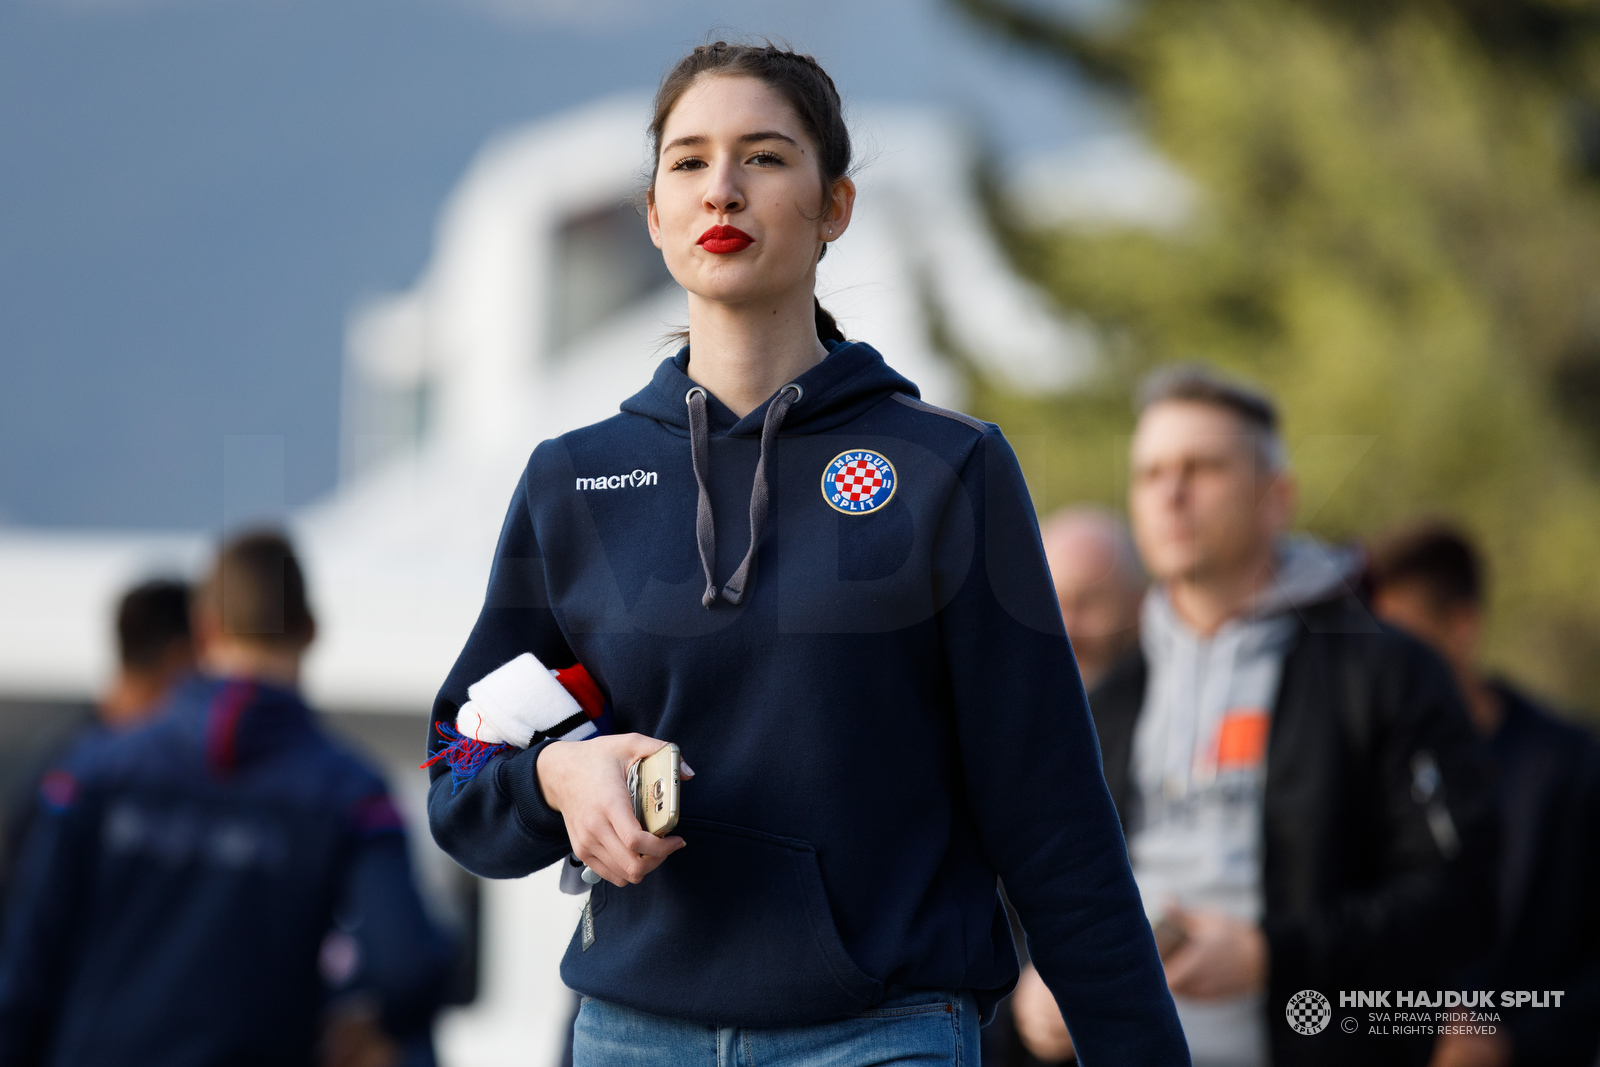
<point x="174" y="893"/>
<point x="1427" y="578"/>
<point x="1099" y="584"/>
<point x="1305" y="803"/>
<point x="154" y="652"/>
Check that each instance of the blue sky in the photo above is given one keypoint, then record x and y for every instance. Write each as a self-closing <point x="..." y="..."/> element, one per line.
<point x="193" y="193"/>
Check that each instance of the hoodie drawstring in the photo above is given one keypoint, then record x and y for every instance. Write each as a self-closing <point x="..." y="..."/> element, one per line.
<point x="705" y="529"/>
<point x="705" y="532"/>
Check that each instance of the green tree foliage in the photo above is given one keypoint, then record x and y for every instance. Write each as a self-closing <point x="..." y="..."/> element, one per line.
<point x="1394" y="233"/>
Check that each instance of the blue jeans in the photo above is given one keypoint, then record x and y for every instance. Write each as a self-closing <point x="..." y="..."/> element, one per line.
<point x="929" y="1029"/>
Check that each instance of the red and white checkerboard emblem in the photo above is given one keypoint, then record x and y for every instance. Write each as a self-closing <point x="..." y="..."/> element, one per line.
<point x="858" y="481"/>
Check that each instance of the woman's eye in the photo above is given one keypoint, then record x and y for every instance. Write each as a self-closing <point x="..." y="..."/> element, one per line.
<point x="688" y="163"/>
<point x="767" y="159"/>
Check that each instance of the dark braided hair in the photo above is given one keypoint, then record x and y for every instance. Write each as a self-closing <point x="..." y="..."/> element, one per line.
<point x="801" y="81"/>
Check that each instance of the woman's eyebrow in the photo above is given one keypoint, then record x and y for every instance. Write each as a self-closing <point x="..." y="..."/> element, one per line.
<point x="695" y="139"/>
<point x="768" y="135"/>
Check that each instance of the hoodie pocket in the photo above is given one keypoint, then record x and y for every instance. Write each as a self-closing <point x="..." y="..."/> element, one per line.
<point x="735" y="929"/>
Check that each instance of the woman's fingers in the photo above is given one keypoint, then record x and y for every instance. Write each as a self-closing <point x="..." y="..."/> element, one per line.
<point x="633" y="852"/>
<point x="618" y="865"/>
<point x="619" y="851"/>
<point x="643" y="843"/>
<point x="598" y="866"/>
<point x="607" y="856"/>
<point x="638" y="746"/>
<point x="588" y="779"/>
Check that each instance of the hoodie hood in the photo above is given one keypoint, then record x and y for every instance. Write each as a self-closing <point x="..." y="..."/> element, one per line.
<point x="851" y="379"/>
<point x="1309" y="572"/>
<point x="239" y="721"/>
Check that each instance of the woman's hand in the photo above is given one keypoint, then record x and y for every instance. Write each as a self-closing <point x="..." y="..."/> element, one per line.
<point x="587" y="782"/>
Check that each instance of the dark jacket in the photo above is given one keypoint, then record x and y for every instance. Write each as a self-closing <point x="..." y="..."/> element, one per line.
<point x="178" y="883"/>
<point x="1361" y="892"/>
<point x="891" y="717"/>
<point x="1549" y="800"/>
<point x="40" y="744"/>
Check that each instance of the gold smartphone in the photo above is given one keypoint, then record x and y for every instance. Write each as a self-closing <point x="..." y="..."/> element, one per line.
<point x="653" y="782"/>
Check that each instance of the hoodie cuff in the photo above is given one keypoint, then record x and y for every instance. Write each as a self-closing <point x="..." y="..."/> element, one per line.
<point x="519" y="777"/>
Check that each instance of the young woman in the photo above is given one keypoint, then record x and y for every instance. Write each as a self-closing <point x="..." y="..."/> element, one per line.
<point x="833" y="598"/>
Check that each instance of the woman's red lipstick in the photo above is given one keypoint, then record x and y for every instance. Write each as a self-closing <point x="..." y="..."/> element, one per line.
<point x="721" y="240"/>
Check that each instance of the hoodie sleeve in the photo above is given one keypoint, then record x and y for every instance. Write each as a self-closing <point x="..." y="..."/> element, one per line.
<point x="45" y="914"/>
<point x="496" y="823"/>
<point x="404" y="960"/>
<point x="1033" y="777"/>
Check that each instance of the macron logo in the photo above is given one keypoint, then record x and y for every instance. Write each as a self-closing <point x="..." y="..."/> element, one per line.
<point x="618" y="481"/>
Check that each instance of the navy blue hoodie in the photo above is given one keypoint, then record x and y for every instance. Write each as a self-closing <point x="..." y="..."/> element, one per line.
<point x="179" y="880"/>
<point x="888" y="720"/>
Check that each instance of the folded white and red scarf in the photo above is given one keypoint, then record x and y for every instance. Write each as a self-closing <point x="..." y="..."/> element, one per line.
<point x="518" y="705"/>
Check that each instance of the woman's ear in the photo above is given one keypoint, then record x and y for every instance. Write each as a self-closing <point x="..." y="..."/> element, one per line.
<point x="651" y="217"/>
<point x="836" y="212"/>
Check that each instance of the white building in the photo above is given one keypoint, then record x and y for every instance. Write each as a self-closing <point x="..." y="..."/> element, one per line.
<point x="542" y="308"/>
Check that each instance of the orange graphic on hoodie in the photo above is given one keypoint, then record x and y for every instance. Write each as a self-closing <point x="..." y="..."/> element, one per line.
<point x="1242" y="738"/>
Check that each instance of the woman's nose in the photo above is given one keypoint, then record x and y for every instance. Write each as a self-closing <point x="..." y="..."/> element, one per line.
<point x="723" y="194"/>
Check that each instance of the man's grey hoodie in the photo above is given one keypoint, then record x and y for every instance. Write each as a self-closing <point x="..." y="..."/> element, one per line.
<point x="1200" y="770"/>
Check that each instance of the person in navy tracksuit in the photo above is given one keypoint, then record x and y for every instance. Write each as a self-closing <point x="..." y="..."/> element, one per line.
<point x="155" y="651"/>
<point x="833" y="597"/>
<point x="179" y="881"/>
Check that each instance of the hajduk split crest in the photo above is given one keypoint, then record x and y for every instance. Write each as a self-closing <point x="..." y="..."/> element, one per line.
<point x="858" y="481"/>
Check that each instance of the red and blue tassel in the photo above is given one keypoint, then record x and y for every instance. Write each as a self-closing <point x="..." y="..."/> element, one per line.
<point x="465" y="756"/>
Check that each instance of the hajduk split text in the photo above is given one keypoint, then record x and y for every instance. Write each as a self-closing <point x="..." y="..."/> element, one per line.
<point x="1451" y="998"/>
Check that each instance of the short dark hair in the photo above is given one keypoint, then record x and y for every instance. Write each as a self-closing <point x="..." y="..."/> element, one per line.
<point x="1197" y="383"/>
<point x="257" y="590"/>
<point x="1432" y="554"/>
<point x="151" y="618"/>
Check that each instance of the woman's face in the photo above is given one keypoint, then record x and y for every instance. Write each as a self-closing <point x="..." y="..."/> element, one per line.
<point x="739" y="208"/>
